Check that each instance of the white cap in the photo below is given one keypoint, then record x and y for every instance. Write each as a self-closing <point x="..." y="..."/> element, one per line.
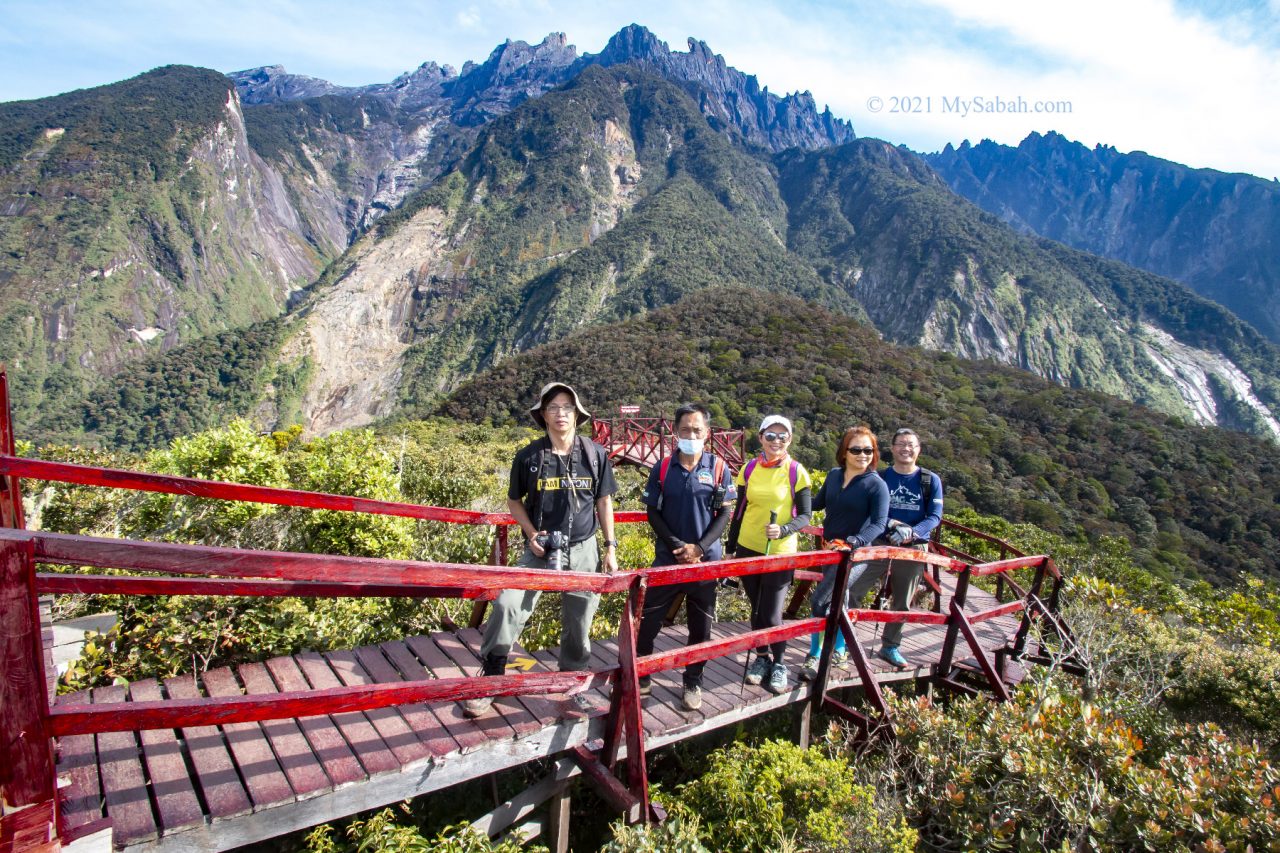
<point x="770" y="420"/>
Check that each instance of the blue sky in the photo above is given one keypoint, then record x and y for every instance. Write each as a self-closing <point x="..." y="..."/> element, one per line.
<point x="1195" y="82"/>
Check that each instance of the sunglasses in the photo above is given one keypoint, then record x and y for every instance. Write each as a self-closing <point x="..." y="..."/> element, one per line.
<point x="862" y="451"/>
<point x="776" y="436"/>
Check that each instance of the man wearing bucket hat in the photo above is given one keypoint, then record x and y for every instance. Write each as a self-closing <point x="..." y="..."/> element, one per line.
<point x="561" y="490"/>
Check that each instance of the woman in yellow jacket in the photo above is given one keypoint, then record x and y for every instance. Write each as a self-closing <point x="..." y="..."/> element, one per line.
<point x="772" y="488"/>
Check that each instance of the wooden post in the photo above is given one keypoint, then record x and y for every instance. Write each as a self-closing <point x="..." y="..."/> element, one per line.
<point x="1020" y="638"/>
<point x="27" y="772"/>
<point x="953" y="625"/>
<point x="558" y="823"/>
<point x="628" y="697"/>
<point x="829" y="633"/>
<point x="497" y="557"/>
<point x="10" y="494"/>
<point x="801" y="721"/>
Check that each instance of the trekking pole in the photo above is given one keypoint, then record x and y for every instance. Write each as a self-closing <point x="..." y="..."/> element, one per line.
<point x="746" y="660"/>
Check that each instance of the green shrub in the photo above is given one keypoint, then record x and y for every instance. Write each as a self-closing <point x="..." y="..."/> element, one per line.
<point x="776" y="794"/>
<point x="1049" y="770"/>
<point x="384" y="833"/>
<point x="677" y="834"/>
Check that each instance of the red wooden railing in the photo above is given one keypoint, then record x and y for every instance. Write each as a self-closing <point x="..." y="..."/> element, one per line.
<point x="647" y="441"/>
<point x="28" y="722"/>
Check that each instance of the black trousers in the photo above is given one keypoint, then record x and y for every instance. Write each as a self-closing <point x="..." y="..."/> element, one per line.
<point x="768" y="597"/>
<point x="700" y="604"/>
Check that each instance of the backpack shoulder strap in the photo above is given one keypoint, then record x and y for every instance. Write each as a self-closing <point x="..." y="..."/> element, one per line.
<point x="926" y="488"/>
<point x="794" y="474"/>
<point x="662" y="471"/>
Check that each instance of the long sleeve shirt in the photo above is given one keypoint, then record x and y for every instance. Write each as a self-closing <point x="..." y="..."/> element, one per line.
<point x="856" y="513"/>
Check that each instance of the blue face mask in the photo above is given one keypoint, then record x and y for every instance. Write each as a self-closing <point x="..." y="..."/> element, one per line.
<point x="690" y="446"/>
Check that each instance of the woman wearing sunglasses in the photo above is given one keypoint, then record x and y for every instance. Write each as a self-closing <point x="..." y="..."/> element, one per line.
<point x="857" y="503"/>
<point x="773" y="507"/>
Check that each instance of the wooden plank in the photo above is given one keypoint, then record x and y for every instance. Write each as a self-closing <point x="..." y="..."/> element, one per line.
<point x="84" y="475"/>
<point x="527" y="801"/>
<point x="171" y="787"/>
<point x="216" y="774"/>
<point x="299" y="763"/>
<point x="521" y="720"/>
<point x="29" y="830"/>
<point x="493" y="725"/>
<point x="46" y="642"/>
<point x="544" y="710"/>
<point x="327" y="743"/>
<point x="392" y="728"/>
<point x="359" y="733"/>
<point x="424" y="724"/>
<point x="462" y="729"/>
<point x="123" y="779"/>
<point x="239" y="708"/>
<point x="66" y="584"/>
<point x="265" y="781"/>
<point x="81" y="797"/>
<point x="242" y="563"/>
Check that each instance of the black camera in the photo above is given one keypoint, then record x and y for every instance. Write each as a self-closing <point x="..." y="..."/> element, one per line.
<point x="556" y="546"/>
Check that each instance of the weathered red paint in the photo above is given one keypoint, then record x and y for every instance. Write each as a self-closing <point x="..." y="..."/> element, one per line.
<point x="135" y="716"/>
<point x="26" y="755"/>
<point x="63" y="584"/>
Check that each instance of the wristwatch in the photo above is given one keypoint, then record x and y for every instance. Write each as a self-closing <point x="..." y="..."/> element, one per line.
<point x="611" y="543"/>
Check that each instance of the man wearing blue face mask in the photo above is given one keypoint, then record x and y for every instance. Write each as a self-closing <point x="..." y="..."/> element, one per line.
<point x="689" y="497"/>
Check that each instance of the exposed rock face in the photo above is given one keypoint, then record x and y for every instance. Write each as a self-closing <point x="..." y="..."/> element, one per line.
<point x="356" y="334"/>
<point x="205" y="238"/>
<point x="932" y="271"/>
<point x="272" y="83"/>
<point x="1211" y="230"/>
<point x="728" y="97"/>
<point x="517" y="71"/>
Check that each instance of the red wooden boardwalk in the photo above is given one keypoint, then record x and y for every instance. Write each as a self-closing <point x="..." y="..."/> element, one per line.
<point x="217" y="787"/>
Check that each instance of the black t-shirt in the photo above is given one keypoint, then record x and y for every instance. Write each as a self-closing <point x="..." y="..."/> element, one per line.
<point x="548" y="486"/>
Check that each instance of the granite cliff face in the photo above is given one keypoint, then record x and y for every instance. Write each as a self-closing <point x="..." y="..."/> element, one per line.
<point x="1214" y="231"/>
<point x="931" y="270"/>
<point x="132" y="225"/>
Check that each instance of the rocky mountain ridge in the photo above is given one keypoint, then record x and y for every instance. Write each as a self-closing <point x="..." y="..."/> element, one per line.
<point x="516" y="71"/>
<point x="1213" y="231"/>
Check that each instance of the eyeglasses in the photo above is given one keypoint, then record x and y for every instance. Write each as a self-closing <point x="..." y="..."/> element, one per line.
<point x="906" y="445"/>
<point x="776" y="436"/>
<point x="559" y="410"/>
<point x="862" y="451"/>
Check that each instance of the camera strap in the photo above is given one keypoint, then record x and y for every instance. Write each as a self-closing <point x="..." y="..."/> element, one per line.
<point x="545" y="495"/>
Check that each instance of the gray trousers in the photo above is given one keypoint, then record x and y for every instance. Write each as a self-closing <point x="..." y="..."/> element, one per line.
<point x="513" y="607"/>
<point x="904" y="577"/>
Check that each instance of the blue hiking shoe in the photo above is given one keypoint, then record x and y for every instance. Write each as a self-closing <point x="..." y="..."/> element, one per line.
<point x="778" y="682"/>
<point x="893" y="656"/>
<point x="758" y="670"/>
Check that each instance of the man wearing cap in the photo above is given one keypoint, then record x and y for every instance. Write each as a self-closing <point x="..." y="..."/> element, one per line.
<point x="561" y="488"/>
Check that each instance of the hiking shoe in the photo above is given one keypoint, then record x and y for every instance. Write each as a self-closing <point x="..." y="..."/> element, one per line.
<point x="778" y="682"/>
<point x="839" y="658"/>
<point x="473" y="708"/>
<point x="758" y="670"/>
<point x="646" y="685"/>
<point x="810" y="671"/>
<point x="893" y="656"/>
<point x="691" y="698"/>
